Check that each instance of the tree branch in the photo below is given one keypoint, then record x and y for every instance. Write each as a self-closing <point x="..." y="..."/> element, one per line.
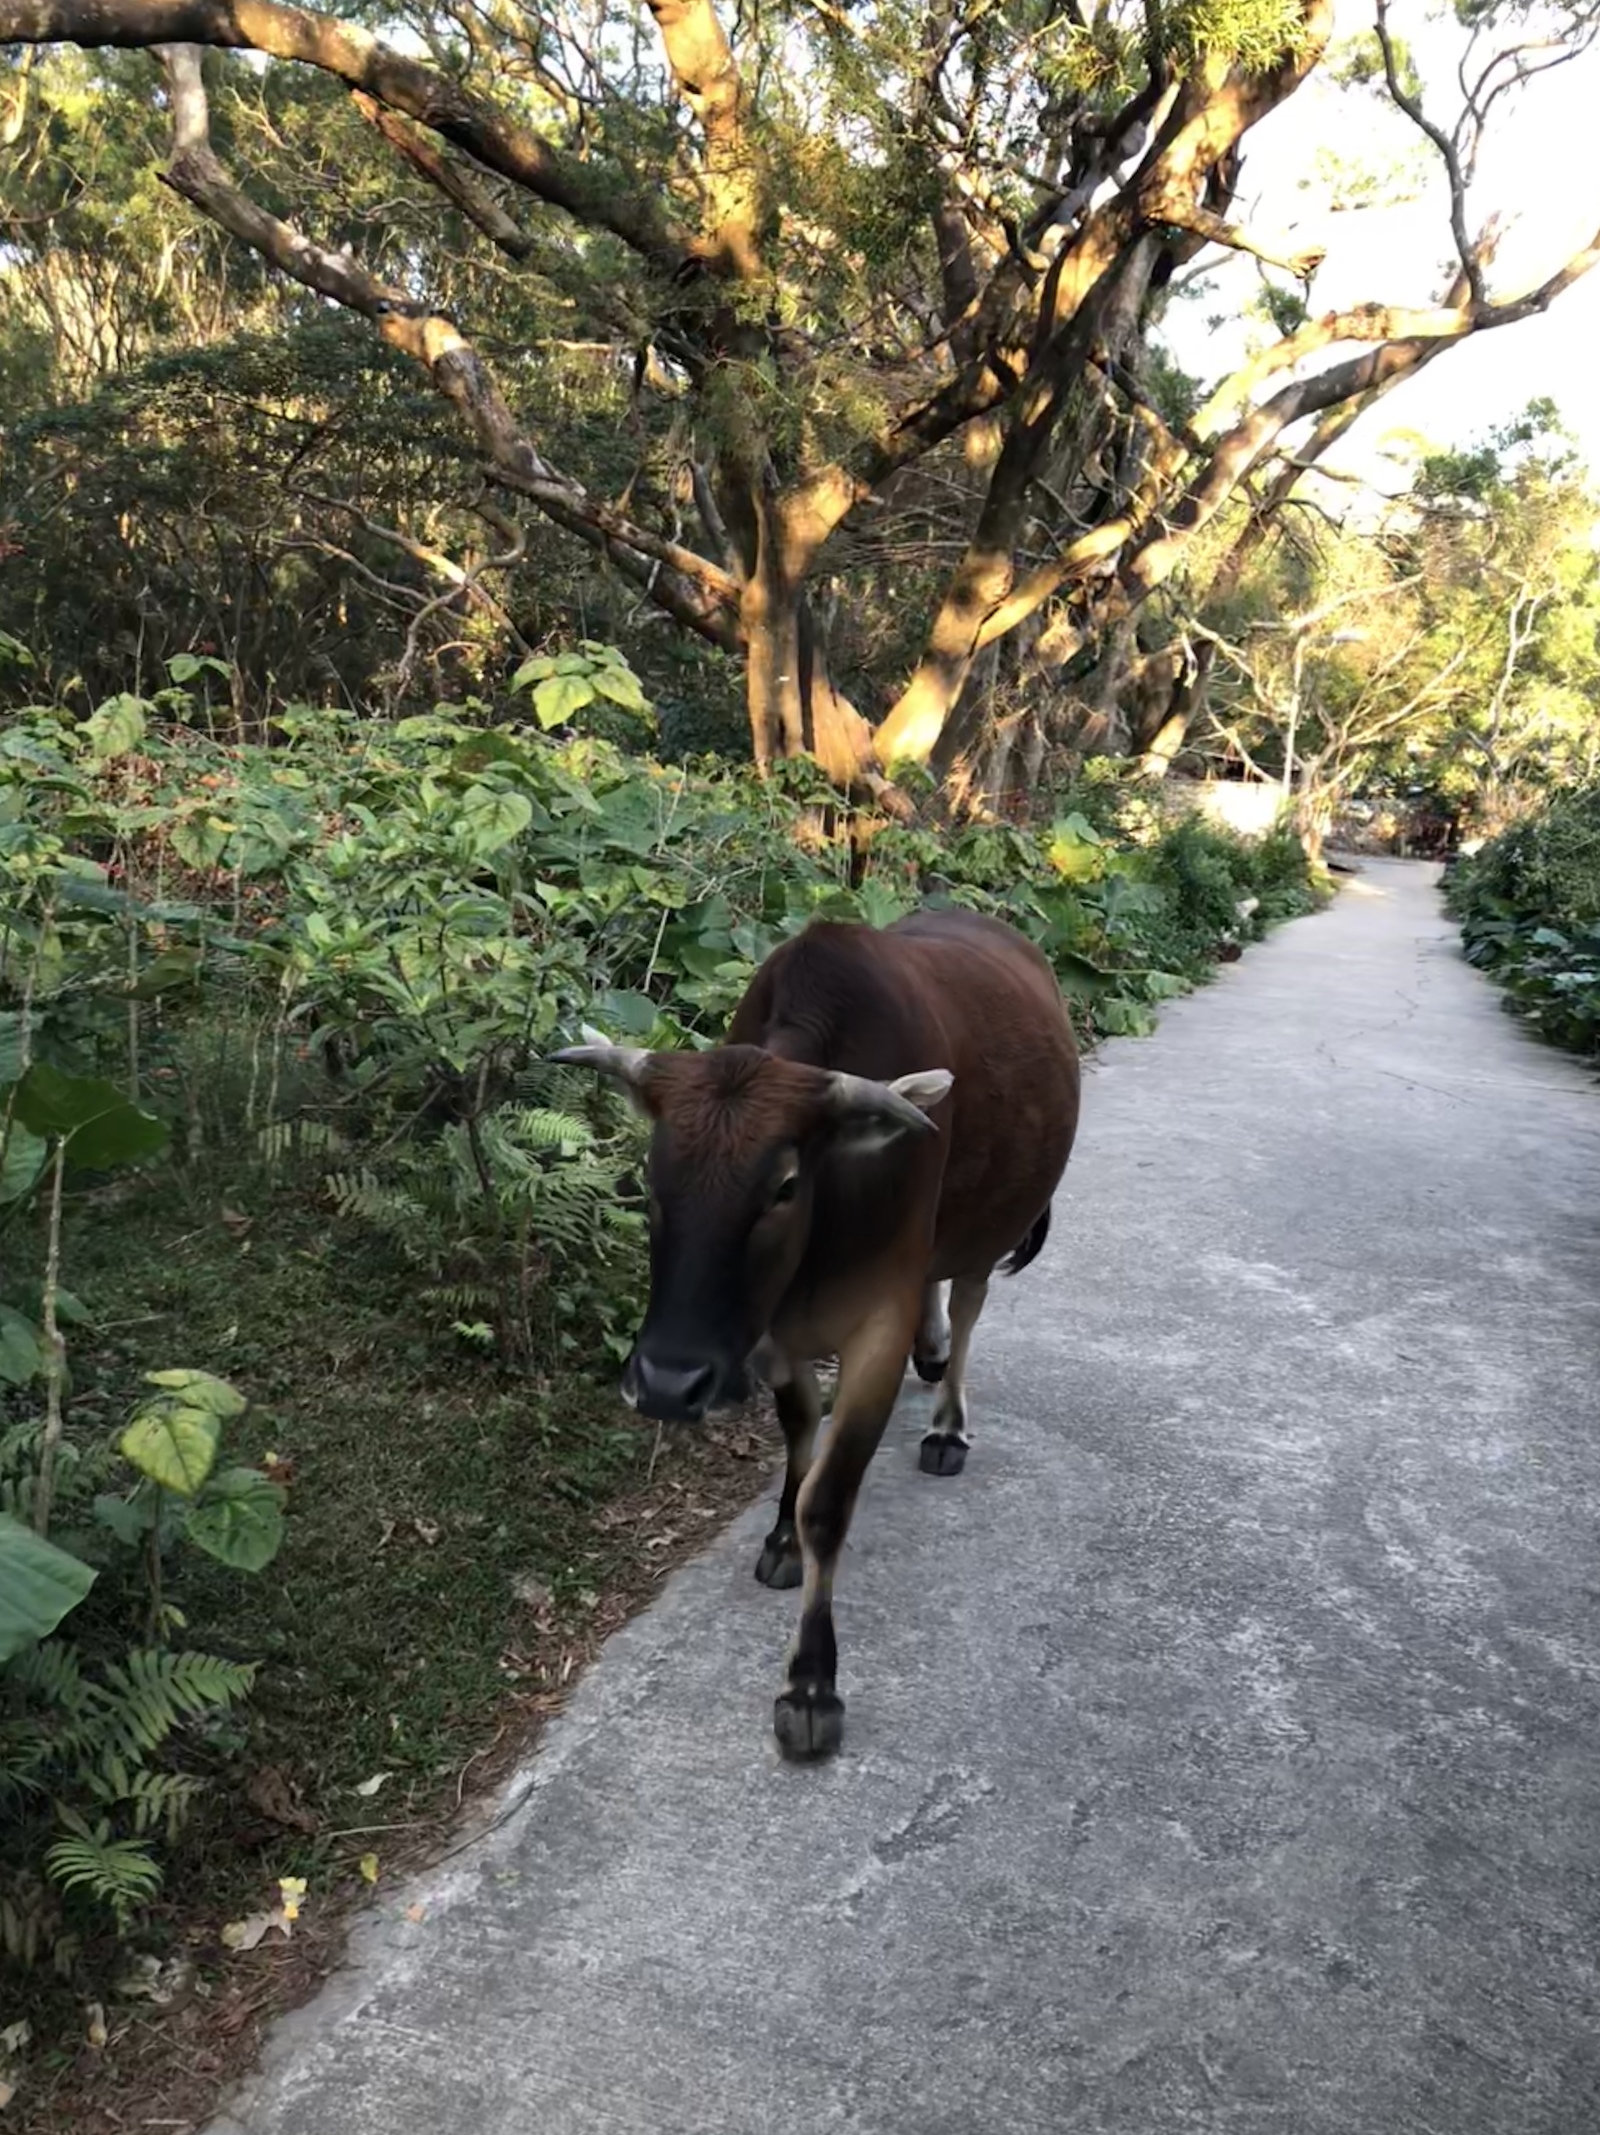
<point x="707" y="76"/>
<point x="357" y="58"/>
<point x="1412" y="107"/>
<point x="692" y="590"/>
<point x="1217" y="230"/>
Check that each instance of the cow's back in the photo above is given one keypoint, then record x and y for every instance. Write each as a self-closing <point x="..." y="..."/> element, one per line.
<point x="939" y="989"/>
<point x="1015" y="1101"/>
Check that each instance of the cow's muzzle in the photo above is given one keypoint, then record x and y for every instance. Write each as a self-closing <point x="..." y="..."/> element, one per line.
<point x="674" y="1391"/>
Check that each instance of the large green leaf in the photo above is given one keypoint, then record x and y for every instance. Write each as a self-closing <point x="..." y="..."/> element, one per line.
<point x="174" y="1443"/>
<point x="238" y="1519"/>
<point x="880" y="907"/>
<point x="621" y="685"/>
<point x="13" y="1045"/>
<point x="101" y="1128"/>
<point x="201" y="1390"/>
<point x="39" y="1584"/>
<point x="1077" y="852"/>
<point x="21" y="1347"/>
<point x="130" y="1519"/>
<point x="166" y="972"/>
<point x="200" y="842"/>
<point x="492" y="818"/>
<point x="555" y="700"/>
<point x="634" y="1015"/>
<point x="24" y="1159"/>
<point x="116" y="727"/>
<point x="122" y="1135"/>
<point x="184" y="666"/>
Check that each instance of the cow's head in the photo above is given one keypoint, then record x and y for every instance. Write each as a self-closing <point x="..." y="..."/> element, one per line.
<point x="739" y="1135"/>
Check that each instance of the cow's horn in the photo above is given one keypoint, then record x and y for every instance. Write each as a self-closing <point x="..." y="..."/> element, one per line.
<point x="623" y="1063"/>
<point x="905" y="1099"/>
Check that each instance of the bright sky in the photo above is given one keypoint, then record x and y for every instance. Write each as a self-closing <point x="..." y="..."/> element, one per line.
<point x="1540" y="169"/>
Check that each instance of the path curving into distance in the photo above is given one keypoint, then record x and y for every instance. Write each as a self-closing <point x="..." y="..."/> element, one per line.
<point x="1222" y="1750"/>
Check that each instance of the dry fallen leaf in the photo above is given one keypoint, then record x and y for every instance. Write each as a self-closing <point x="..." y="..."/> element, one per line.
<point x="96" y="2032"/>
<point x="246" y="1933"/>
<point x="15" y="2036"/>
<point x="7" y="2092"/>
<point x="273" y="1792"/>
<point x="416" y="1912"/>
<point x="147" y="1978"/>
<point x="369" y="1867"/>
<point x="366" y="1788"/>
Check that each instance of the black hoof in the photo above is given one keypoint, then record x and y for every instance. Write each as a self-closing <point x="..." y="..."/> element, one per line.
<point x="942" y="1455"/>
<point x="808" y="1720"/>
<point x="930" y="1370"/>
<point x="779" y="1562"/>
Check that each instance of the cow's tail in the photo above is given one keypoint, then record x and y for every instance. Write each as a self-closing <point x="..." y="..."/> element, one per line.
<point x="1030" y="1248"/>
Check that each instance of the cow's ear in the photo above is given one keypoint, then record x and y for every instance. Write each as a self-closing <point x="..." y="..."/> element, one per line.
<point x="869" y="1115"/>
<point x="625" y="1065"/>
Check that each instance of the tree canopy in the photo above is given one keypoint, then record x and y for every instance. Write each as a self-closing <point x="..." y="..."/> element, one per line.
<point x="831" y="336"/>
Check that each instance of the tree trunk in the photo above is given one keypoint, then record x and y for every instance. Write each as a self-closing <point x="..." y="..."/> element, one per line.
<point x="935" y="697"/>
<point x="769" y="613"/>
<point x="793" y="705"/>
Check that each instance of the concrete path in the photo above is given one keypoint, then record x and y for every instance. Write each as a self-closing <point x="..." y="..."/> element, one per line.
<point x="1223" y="1750"/>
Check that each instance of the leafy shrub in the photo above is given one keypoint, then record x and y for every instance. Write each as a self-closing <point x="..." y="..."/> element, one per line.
<point x="91" y="1728"/>
<point x="396" y="921"/>
<point x="339" y="961"/>
<point x="1529" y="906"/>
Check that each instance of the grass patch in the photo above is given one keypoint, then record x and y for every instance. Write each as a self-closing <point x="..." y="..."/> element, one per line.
<point x="458" y="1544"/>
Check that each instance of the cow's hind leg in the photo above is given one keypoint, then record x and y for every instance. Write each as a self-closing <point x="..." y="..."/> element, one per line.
<point x="944" y="1450"/>
<point x="930" y="1351"/>
<point x="808" y="1717"/>
<point x="799" y="1403"/>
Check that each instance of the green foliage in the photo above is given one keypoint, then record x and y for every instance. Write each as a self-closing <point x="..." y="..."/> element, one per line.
<point x="1529" y="906"/>
<point x="1257" y="34"/>
<point x="81" y="1748"/>
<point x="1286" y="308"/>
<point x="96" y="1126"/>
<point x="419" y="910"/>
<point x="338" y="960"/>
<point x="39" y="1584"/>
<point x="1459" y="650"/>
<point x="88" y="1728"/>
<point x="566" y="683"/>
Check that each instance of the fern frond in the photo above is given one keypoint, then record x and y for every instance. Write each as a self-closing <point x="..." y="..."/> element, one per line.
<point x="295" y="1137"/>
<point x="459" y="1299"/>
<point x="120" y="1873"/>
<point x="563" y="1132"/>
<point x="30" y="1923"/>
<point x="162" y="1799"/>
<point x="51" y="1672"/>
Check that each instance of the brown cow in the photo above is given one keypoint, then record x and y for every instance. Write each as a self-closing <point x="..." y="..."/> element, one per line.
<point x="890" y="1111"/>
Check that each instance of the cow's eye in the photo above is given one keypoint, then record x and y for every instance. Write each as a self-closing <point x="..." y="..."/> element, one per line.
<point x="787" y="1188"/>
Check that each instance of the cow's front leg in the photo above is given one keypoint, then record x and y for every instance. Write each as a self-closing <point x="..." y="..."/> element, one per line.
<point x="944" y="1450"/>
<point x="930" y="1351"/>
<point x="799" y="1404"/>
<point x="808" y="1717"/>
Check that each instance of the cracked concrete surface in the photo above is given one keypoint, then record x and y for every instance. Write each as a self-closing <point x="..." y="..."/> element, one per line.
<point x="1222" y="1750"/>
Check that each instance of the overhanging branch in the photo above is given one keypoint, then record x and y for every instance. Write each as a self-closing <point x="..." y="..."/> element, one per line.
<point x="362" y="62"/>
<point x="695" y="592"/>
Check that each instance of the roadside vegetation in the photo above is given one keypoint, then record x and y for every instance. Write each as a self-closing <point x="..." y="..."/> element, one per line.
<point x="316" y="1280"/>
<point x="1529" y="906"/>
<point x="505" y="515"/>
